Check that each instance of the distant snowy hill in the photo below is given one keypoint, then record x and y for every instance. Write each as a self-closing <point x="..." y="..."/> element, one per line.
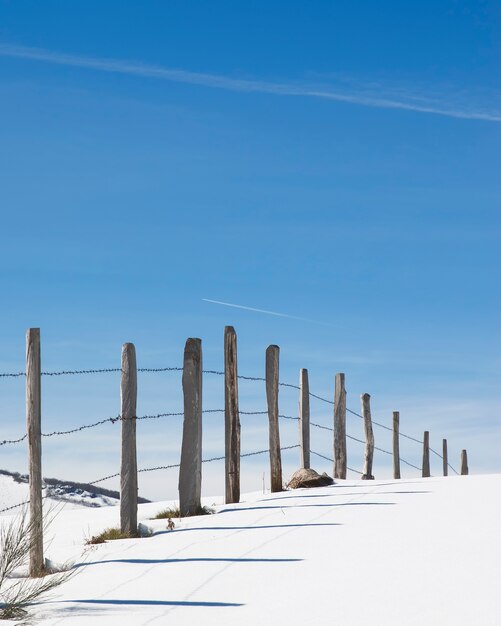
<point x="358" y="553"/>
<point x="14" y="490"/>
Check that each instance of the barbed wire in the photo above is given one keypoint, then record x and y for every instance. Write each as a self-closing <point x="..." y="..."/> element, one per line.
<point x="14" y="506"/>
<point x="401" y="434"/>
<point x="159" y="369"/>
<point x="103" y="370"/>
<point x="159" y="467"/>
<point x="255" y="378"/>
<point x="221" y="458"/>
<point x="363" y="442"/>
<point x="215" y="458"/>
<point x="313" y="395"/>
<point x="356" y="471"/>
<point x="386" y="427"/>
<point x="332" y="461"/>
<point x="56" y="433"/>
<point x="8" y="441"/>
<point x="118" y="418"/>
<point x="419" y="469"/>
<point x="215" y="372"/>
<point x="448" y="464"/>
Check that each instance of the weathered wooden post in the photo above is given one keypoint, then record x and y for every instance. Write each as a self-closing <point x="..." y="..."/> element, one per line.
<point x="340" y="460"/>
<point x="272" y="365"/>
<point x="464" y="463"/>
<point x="444" y="457"/>
<point x="231" y="417"/>
<point x="396" y="444"/>
<point x="33" y="424"/>
<point x="426" y="454"/>
<point x="128" y="468"/>
<point x="365" y="400"/>
<point x="190" y="470"/>
<point x="304" y="419"/>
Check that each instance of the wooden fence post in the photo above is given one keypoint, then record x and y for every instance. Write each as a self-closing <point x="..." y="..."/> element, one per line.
<point x="445" y="457"/>
<point x="464" y="463"/>
<point x="340" y="428"/>
<point x="369" y="436"/>
<point x="128" y="467"/>
<point x="272" y="365"/>
<point x="304" y="419"/>
<point x="426" y="455"/>
<point x="231" y="417"/>
<point x="33" y="424"/>
<point x="396" y="445"/>
<point x="190" y="470"/>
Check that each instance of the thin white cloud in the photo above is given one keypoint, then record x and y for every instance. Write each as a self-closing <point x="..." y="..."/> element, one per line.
<point x="249" y="308"/>
<point x="255" y="86"/>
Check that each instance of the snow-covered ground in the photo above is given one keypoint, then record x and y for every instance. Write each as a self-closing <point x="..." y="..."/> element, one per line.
<point x="14" y="492"/>
<point x="381" y="553"/>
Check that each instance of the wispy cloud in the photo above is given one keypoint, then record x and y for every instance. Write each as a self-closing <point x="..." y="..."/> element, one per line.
<point x="250" y="308"/>
<point x="361" y="96"/>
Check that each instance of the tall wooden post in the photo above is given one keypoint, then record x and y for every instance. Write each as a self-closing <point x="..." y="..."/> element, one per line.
<point x="128" y="468"/>
<point x="190" y="470"/>
<point x="426" y="454"/>
<point x="369" y="436"/>
<point x="272" y="364"/>
<point x="464" y="463"/>
<point x="231" y="417"/>
<point x="33" y="424"/>
<point x="304" y="419"/>
<point x="340" y="460"/>
<point x="445" y="459"/>
<point x="396" y="444"/>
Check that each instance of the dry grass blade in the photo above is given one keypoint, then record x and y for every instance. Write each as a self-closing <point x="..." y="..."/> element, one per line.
<point x="17" y="593"/>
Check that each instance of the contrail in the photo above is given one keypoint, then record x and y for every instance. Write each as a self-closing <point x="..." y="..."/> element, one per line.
<point x="249" y="308"/>
<point x="240" y="85"/>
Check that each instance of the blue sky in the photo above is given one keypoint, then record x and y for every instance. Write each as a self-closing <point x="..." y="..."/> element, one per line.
<point x="331" y="161"/>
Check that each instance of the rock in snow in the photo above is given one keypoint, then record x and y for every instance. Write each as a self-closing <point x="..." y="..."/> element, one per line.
<point x="309" y="478"/>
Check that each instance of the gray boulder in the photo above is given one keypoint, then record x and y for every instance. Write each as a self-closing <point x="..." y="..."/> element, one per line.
<point x="309" y="478"/>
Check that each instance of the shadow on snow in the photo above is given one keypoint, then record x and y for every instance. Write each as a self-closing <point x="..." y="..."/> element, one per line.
<point x="306" y="506"/>
<point x="156" y="603"/>
<point x="188" y="560"/>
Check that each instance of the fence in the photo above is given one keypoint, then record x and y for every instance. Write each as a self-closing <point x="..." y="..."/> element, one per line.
<point x="191" y="449"/>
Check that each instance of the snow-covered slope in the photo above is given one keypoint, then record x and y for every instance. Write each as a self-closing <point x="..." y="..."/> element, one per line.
<point x="14" y="490"/>
<point x="381" y="553"/>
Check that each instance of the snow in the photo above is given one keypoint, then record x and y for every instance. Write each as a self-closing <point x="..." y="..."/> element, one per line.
<point x="12" y="493"/>
<point x="384" y="553"/>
